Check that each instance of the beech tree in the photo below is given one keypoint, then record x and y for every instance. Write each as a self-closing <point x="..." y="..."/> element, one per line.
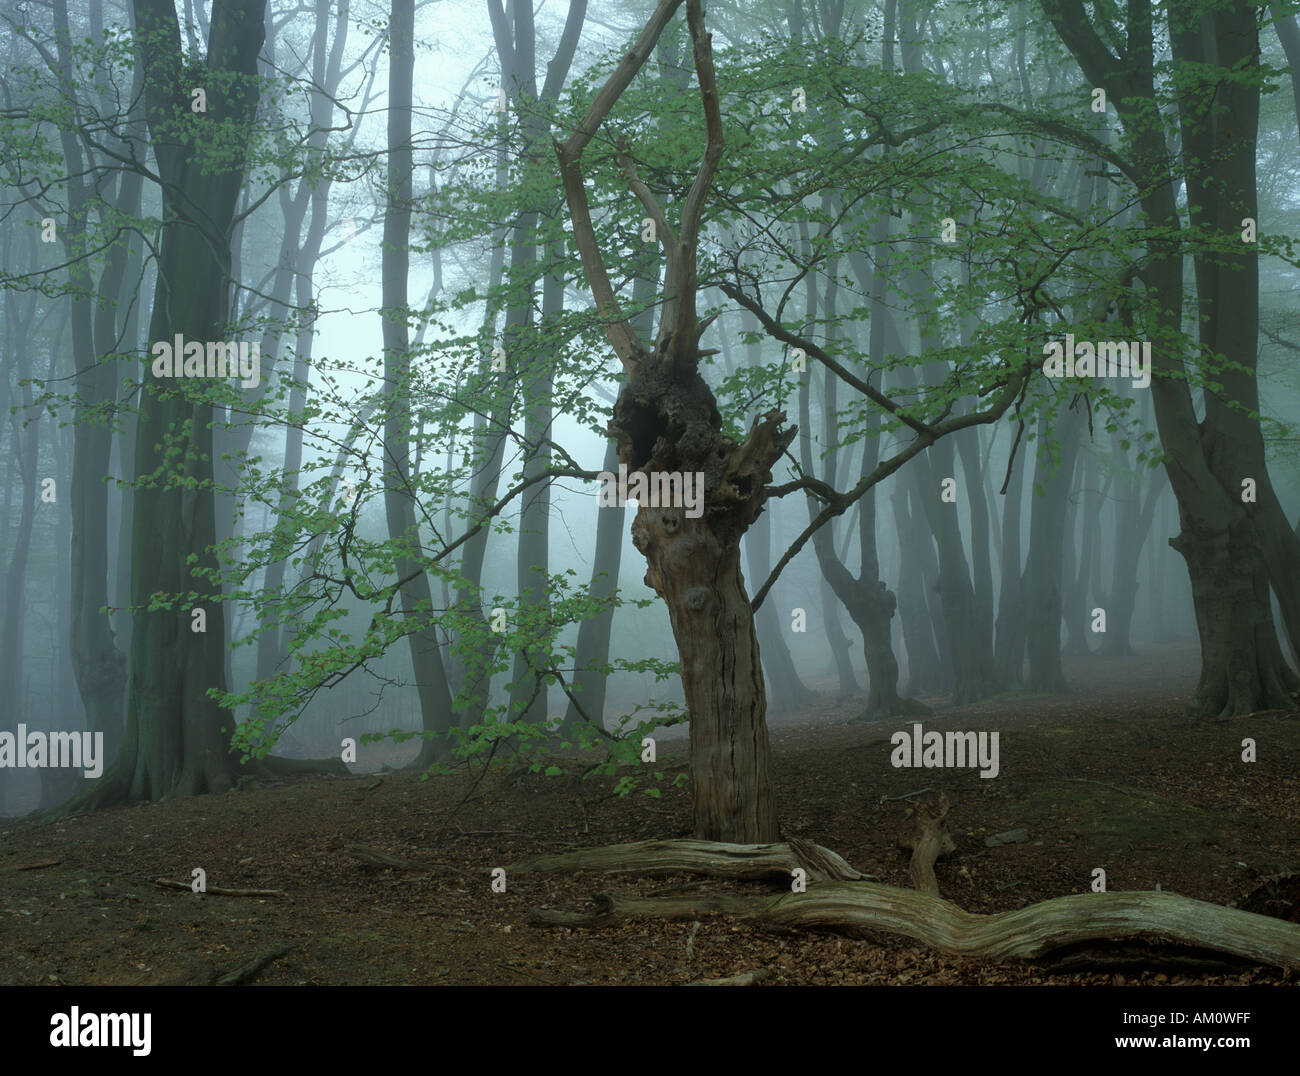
<point x="666" y="420"/>
<point x="177" y="739"/>
<point x="1234" y="548"/>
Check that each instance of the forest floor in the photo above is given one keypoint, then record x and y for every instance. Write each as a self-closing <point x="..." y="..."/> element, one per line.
<point x="1111" y="775"/>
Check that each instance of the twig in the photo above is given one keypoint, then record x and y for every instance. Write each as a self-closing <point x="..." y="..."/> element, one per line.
<point x="906" y="795"/>
<point x="246" y="971"/>
<point x="1114" y="788"/>
<point x="35" y="865"/>
<point x="219" y="892"/>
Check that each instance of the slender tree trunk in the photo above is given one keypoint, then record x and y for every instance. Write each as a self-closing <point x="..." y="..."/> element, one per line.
<point x="399" y="497"/>
<point x="1043" y="569"/>
<point x="591" y="654"/>
<point x="25" y="431"/>
<point x="787" y="688"/>
<point x="926" y="669"/>
<point x="1077" y="611"/>
<point x="1009" y="648"/>
<point x="1132" y="525"/>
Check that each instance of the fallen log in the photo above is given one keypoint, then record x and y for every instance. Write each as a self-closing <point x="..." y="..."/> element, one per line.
<point x="1024" y="934"/>
<point x="718" y="860"/>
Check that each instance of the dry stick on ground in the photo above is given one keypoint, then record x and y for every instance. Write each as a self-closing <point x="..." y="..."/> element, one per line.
<point x="906" y="795"/>
<point x="252" y="967"/>
<point x="374" y="857"/>
<point x="930" y="841"/>
<point x="217" y="891"/>
<point x="39" y="864"/>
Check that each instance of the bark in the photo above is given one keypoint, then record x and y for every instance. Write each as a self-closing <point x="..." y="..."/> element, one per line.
<point x="694" y="565"/>
<point x="297" y="266"/>
<point x="868" y="601"/>
<point x="974" y="480"/>
<point x="1288" y="33"/>
<point x="824" y="543"/>
<point x="788" y="691"/>
<point x="666" y="420"/>
<point x="1219" y="124"/>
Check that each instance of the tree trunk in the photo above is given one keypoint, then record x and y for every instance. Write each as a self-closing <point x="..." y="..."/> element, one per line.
<point x="592" y="652"/>
<point x="1132" y="525"/>
<point x="177" y="738"/>
<point x="399" y="497"/>
<point x="666" y="421"/>
<point x="1076" y="610"/>
<point x="926" y="669"/>
<point x="788" y="689"/>
<point x="1206" y="459"/>
<point x="1009" y="648"/>
<point x="1043" y="571"/>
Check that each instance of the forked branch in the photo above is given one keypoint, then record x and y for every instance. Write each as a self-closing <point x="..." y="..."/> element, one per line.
<point x="679" y="329"/>
<point x="617" y="328"/>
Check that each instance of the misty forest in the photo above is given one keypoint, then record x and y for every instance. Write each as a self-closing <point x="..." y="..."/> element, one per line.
<point x="549" y="492"/>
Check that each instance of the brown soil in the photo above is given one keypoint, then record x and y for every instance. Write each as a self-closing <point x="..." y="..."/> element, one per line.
<point x="1111" y="776"/>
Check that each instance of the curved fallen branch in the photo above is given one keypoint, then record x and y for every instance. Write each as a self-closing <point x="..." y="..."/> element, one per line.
<point x="1024" y="934"/>
<point x="716" y="859"/>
